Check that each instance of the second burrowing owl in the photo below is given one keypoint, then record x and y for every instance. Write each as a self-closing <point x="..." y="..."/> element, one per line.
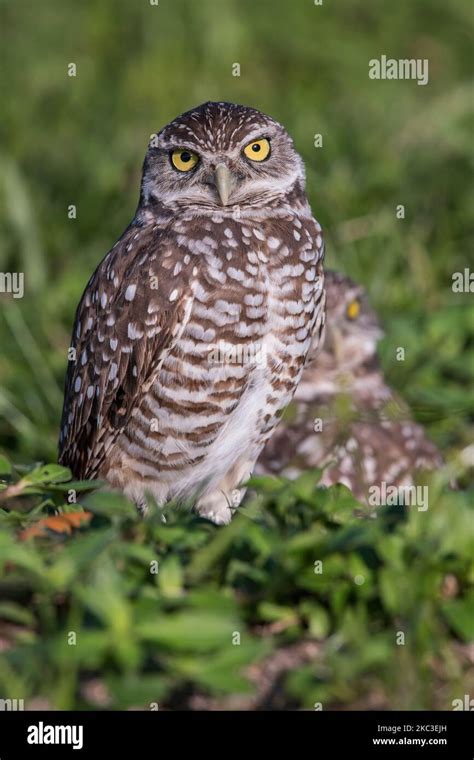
<point x="192" y="333"/>
<point x="344" y="417"/>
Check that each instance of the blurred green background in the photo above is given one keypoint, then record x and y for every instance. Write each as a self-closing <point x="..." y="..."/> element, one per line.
<point x="81" y="140"/>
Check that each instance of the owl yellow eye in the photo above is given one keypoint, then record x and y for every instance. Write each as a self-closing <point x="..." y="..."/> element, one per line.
<point x="184" y="160"/>
<point x="258" y="150"/>
<point x="353" y="310"/>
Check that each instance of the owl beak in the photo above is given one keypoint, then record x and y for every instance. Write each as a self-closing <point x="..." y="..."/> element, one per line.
<point x="223" y="180"/>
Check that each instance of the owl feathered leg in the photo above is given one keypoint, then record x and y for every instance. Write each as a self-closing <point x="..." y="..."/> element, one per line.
<point x="216" y="506"/>
<point x="220" y="504"/>
<point x="142" y="505"/>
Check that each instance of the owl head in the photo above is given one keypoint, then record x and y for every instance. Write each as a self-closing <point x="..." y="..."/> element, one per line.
<point x="352" y="333"/>
<point x="217" y="155"/>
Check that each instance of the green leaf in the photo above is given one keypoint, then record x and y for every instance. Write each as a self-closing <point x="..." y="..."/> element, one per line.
<point x="136" y="691"/>
<point x="192" y="631"/>
<point x="5" y="467"/>
<point x="318" y="619"/>
<point x="77" y="485"/>
<point x="339" y="503"/>
<point x="271" y="612"/>
<point x="48" y="473"/>
<point x="16" y="613"/>
<point x="111" y="505"/>
<point x="304" y="486"/>
<point x="460" y="615"/>
<point x="224" y="672"/>
<point x="20" y="556"/>
<point x="170" y="577"/>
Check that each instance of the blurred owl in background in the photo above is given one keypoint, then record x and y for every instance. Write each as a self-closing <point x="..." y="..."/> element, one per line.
<point x="344" y="417"/>
<point x="191" y="335"/>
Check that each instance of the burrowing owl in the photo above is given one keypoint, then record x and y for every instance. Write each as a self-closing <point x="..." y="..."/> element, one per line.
<point x="344" y="417"/>
<point x="192" y="333"/>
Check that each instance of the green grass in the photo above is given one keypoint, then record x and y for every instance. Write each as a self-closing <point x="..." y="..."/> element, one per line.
<point x="135" y="612"/>
<point x="81" y="140"/>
